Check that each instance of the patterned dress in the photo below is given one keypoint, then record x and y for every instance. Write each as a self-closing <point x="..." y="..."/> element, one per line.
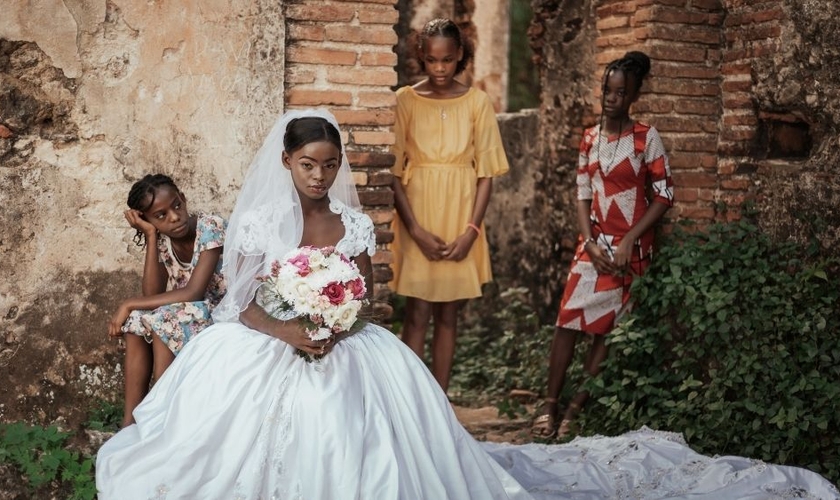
<point x="617" y="174"/>
<point x="177" y="323"/>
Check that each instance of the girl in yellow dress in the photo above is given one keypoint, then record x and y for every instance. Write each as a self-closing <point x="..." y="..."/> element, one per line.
<point x="448" y="149"/>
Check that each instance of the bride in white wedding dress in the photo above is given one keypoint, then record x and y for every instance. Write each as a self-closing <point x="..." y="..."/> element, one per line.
<point x="240" y="415"/>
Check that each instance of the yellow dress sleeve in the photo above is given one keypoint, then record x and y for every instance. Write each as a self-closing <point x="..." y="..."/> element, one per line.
<point x="400" y="129"/>
<point x="490" y="159"/>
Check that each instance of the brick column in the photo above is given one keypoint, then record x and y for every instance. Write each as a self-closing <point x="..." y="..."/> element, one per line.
<point x="752" y="32"/>
<point x="682" y="96"/>
<point x="339" y="55"/>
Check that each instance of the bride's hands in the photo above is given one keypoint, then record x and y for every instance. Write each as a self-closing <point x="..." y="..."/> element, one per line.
<point x="293" y="333"/>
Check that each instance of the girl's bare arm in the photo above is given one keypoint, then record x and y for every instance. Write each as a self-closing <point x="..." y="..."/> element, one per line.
<point x="602" y="262"/>
<point x="654" y="212"/>
<point x="195" y="289"/>
<point x="154" y="272"/>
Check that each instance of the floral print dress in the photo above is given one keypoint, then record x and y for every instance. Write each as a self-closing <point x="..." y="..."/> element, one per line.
<point x="178" y="322"/>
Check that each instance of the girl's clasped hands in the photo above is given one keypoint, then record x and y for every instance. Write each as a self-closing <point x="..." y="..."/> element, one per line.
<point x="435" y="249"/>
<point x="616" y="263"/>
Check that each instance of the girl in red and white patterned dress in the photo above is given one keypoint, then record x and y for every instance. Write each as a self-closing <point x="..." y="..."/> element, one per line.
<point x="623" y="188"/>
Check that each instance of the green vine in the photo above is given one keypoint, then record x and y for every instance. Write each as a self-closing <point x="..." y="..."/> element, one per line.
<point x="735" y="342"/>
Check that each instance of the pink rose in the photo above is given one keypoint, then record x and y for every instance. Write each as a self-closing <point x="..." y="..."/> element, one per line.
<point x="334" y="292"/>
<point x="357" y="288"/>
<point x="301" y="262"/>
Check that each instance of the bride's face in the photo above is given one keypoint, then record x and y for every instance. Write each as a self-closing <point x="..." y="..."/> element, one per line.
<point x="313" y="167"/>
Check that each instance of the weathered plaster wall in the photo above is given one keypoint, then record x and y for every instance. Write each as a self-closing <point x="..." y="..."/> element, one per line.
<point x="94" y="94"/>
<point x="562" y="36"/>
<point x="797" y="100"/>
<point x="491" y="19"/>
<point x="510" y="219"/>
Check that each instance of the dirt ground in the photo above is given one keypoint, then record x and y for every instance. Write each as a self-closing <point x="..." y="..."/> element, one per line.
<point x="485" y="424"/>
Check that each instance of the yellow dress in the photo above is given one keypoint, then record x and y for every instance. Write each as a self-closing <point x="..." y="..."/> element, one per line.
<point x="442" y="147"/>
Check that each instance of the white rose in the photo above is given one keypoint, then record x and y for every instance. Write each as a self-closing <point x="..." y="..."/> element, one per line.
<point x="320" y="334"/>
<point x="296" y="289"/>
<point x="347" y="314"/>
<point x="316" y="259"/>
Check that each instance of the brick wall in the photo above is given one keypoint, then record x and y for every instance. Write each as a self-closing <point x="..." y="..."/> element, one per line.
<point x="682" y="97"/>
<point x="339" y="55"/>
<point x="700" y="92"/>
<point x="751" y="32"/>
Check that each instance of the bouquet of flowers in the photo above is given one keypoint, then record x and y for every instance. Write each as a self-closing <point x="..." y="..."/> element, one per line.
<point x="321" y="286"/>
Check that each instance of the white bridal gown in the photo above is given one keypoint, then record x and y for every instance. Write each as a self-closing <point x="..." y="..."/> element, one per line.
<point x="239" y="415"/>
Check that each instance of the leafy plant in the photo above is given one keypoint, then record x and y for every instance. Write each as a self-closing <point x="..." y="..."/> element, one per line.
<point x="505" y="350"/>
<point x="41" y="456"/>
<point x="735" y="342"/>
<point x="105" y="416"/>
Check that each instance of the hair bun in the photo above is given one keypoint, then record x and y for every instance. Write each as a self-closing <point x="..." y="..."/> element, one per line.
<point x="639" y="58"/>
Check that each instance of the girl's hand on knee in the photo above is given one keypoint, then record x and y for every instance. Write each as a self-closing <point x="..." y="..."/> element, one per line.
<point x="117" y="321"/>
<point x="431" y="245"/>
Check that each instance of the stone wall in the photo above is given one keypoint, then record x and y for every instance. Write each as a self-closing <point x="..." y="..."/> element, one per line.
<point x="742" y="93"/>
<point x="745" y="95"/>
<point x="96" y="93"/>
<point x="789" y="160"/>
<point x="562" y="36"/>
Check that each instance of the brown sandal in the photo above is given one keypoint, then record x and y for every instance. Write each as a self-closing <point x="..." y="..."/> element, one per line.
<point x="545" y="425"/>
<point x="564" y="429"/>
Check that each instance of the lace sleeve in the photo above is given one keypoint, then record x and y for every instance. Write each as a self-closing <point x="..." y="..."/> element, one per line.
<point x="359" y="235"/>
<point x="256" y="235"/>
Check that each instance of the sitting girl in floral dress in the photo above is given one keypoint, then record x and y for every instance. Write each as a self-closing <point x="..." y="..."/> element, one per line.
<point x="182" y="282"/>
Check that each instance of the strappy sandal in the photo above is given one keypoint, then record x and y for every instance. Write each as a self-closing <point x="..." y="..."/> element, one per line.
<point x="564" y="429"/>
<point x="545" y="425"/>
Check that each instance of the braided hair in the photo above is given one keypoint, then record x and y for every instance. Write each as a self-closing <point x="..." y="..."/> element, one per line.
<point x="447" y="29"/>
<point x="633" y="63"/>
<point x="147" y="186"/>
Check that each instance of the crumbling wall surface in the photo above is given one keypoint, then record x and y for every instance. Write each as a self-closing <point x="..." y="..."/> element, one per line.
<point x="563" y="38"/>
<point x="797" y="93"/>
<point x="509" y="218"/>
<point x="94" y="94"/>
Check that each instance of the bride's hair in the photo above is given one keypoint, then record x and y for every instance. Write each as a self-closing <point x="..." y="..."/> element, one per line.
<point x="302" y="131"/>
